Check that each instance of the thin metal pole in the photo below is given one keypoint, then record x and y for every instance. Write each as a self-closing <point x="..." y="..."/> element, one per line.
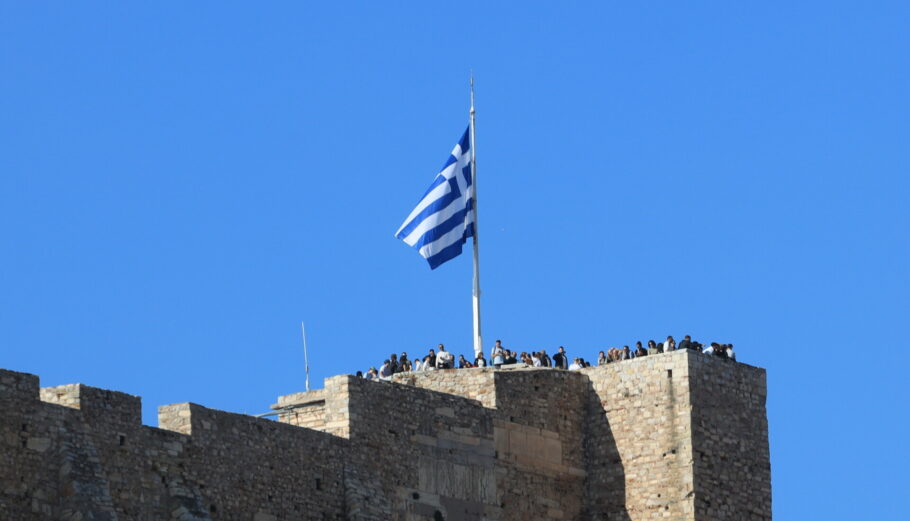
<point x="478" y="339"/>
<point x="306" y="357"/>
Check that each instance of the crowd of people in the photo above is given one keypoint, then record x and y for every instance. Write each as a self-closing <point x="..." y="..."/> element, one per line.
<point x="500" y="356"/>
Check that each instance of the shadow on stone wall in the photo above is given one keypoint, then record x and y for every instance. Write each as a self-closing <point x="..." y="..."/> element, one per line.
<point x="605" y="486"/>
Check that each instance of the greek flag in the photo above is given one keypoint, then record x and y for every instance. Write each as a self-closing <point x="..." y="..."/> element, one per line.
<point x="444" y="217"/>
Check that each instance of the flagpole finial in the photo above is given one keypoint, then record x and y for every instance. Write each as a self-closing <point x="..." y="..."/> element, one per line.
<point x="472" y="92"/>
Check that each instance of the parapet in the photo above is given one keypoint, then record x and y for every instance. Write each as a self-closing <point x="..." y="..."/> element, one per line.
<point x="475" y="384"/>
<point x="18" y="386"/>
<point x="97" y="405"/>
<point x="82" y="453"/>
<point x="679" y="436"/>
<point x="305" y="409"/>
<point x="637" y="439"/>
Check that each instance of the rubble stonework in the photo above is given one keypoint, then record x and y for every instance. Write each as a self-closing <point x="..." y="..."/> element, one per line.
<point x="677" y="436"/>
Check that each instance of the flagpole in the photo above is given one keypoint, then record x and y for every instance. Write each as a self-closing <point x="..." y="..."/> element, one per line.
<point x="478" y="339"/>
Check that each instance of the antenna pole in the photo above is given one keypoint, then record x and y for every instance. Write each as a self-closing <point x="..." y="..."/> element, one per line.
<point x="306" y="357"/>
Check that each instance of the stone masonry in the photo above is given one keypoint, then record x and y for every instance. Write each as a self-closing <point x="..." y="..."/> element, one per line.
<point x="677" y="436"/>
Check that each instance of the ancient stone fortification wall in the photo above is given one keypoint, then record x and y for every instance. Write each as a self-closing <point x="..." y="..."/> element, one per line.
<point x="309" y="409"/>
<point x="731" y="461"/>
<point x="508" y="445"/>
<point x="639" y="439"/>
<point x="678" y="436"/>
<point x="83" y="454"/>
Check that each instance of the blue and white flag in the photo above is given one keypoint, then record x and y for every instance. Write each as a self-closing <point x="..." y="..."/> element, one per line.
<point x="444" y="217"/>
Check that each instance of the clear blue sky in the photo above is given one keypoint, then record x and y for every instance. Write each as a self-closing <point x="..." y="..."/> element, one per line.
<point x="182" y="183"/>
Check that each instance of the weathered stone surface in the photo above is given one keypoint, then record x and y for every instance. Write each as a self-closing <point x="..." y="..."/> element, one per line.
<point x="675" y="436"/>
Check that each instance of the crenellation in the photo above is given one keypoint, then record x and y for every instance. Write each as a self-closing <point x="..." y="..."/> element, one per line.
<point x="97" y="405"/>
<point x="176" y="418"/>
<point x="476" y="383"/>
<point x="675" y="436"/>
<point x="22" y="387"/>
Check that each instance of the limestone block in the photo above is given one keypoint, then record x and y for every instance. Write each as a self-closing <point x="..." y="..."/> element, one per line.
<point x="38" y="444"/>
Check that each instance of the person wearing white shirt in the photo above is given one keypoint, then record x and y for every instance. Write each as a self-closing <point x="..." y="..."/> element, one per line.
<point x="576" y="365"/>
<point x="385" y="372"/>
<point x="669" y="344"/>
<point x="497" y="354"/>
<point x="535" y="359"/>
<point x="444" y="359"/>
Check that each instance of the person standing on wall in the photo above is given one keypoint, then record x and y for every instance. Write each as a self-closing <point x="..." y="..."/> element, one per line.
<point x="686" y="342"/>
<point x="560" y="359"/>
<point x="444" y="359"/>
<point x="497" y="355"/>
<point x="545" y="360"/>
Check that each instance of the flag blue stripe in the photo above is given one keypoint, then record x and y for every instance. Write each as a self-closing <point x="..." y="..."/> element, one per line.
<point x="435" y="206"/>
<point x="448" y="253"/>
<point x="451" y="251"/>
<point x="436" y="182"/>
<point x="448" y="162"/>
<point x="457" y="219"/>
<point x="466" y="173"/>
<point x="465" y="142"/>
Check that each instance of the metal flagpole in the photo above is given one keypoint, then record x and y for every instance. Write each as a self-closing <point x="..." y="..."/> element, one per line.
<point x="306" y="358"/>
<point x="478" y="340"/>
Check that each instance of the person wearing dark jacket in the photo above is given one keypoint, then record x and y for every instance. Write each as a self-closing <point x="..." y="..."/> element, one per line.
<point x="393" y="363"/>
<point x="545" y="359"/>
<point x="640" y="350"/>
<point x="404" y="365"/>
<point x="685" y="343"/>
<point x="561" y="359"/>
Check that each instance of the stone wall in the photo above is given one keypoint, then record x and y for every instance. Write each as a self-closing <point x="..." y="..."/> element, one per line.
<point x="83" y="454"/>
<point x="425" y="454"/>
<point x="731" y="460"/>
<point x="539" y="433"/>
<point x="303" y="409"/>
<point x="638" y="441"/>
<point x="476" y="384"/>
<point x="676" y="436"/>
